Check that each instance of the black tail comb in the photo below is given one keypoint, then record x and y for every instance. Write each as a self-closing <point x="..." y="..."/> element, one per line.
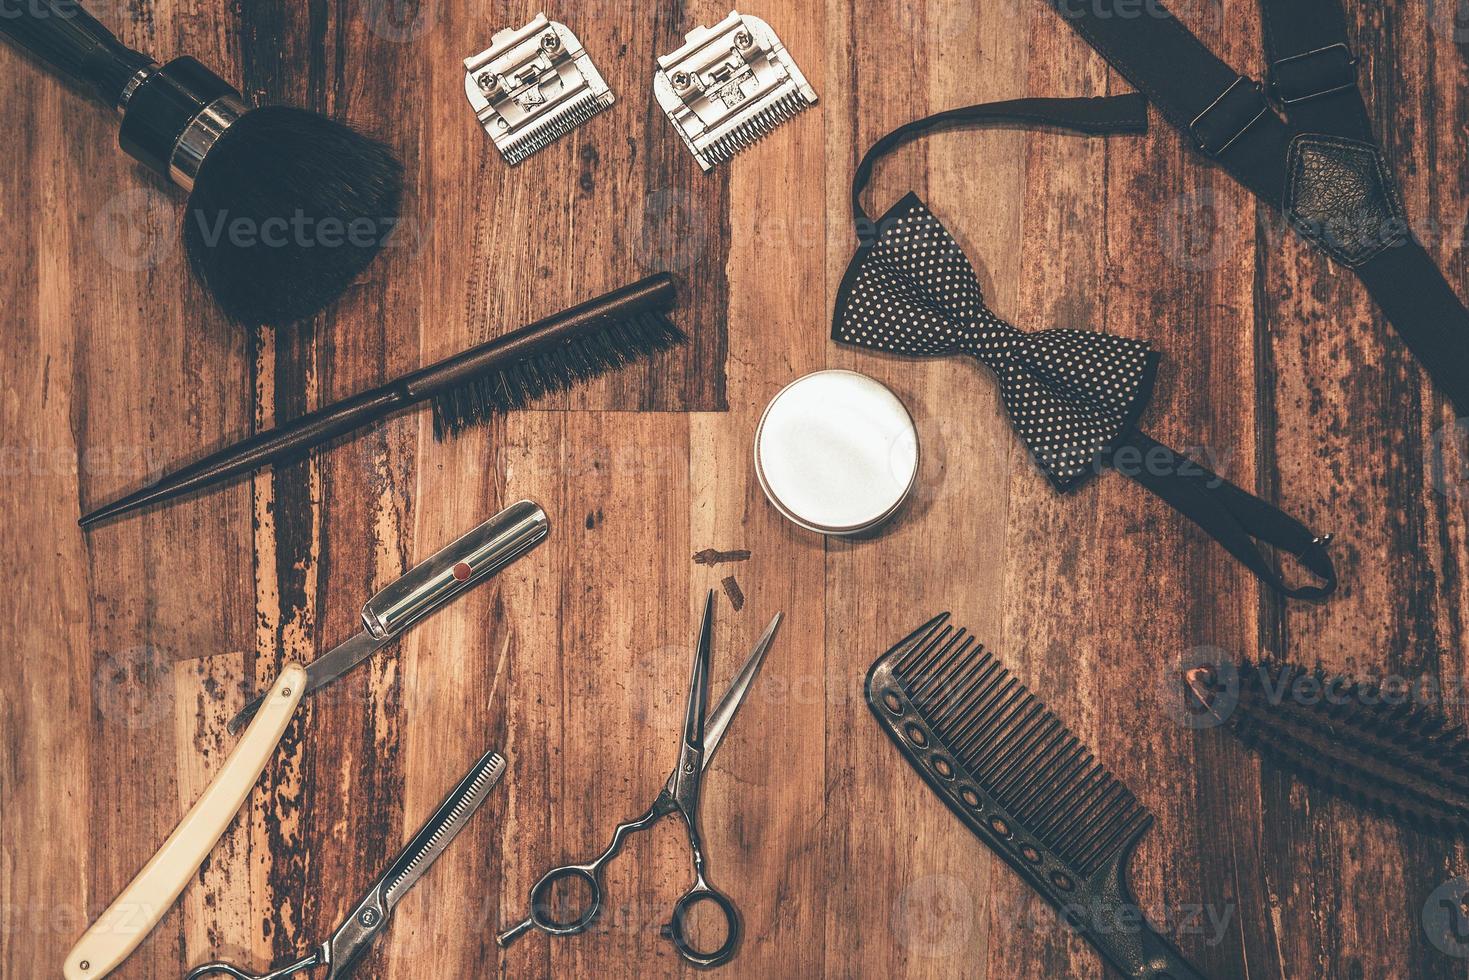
<point x="1376" y="747"/>
<point x="551" y="354"/>
<point x="1023" y="784"/>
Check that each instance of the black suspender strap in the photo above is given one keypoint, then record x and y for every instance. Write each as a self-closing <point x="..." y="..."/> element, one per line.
<point x="1313" y="72"/>
<point x="1318" y="162"/>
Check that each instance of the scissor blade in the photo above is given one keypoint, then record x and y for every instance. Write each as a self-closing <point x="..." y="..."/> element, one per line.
<point x="694" y="714"/>
<point x="724" y="712"/>
<point x="441" y="828"/>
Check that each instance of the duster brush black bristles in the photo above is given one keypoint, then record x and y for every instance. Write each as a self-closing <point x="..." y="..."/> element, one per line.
<point x="1375" y="747"/>
<point x="504" y="373"/>
<point x="286" y="207"/>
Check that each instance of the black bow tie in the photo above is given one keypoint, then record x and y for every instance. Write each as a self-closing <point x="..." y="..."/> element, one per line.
<point x="1071" y="394"/>
<point x="1074" y="396"/>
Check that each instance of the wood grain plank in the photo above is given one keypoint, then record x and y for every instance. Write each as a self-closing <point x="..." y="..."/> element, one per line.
<point x="595" y="689"/>
<point x="154" y="377"/>
<point x="935" y="914"/>
<point x="215" y="908"/>
<point x="129" y="646"/>
<point x="764" y="799"/>
<point x="45" y="705"/>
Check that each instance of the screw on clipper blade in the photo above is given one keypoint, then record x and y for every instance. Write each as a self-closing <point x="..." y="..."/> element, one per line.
<point x="532" y="86"/>
<point x="728" y="86"/>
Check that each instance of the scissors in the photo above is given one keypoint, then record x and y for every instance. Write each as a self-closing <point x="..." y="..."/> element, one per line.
<point x="349" y="943"/>
<point x="679" y="795"/>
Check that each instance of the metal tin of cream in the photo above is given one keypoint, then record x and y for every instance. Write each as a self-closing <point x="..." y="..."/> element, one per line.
<point x="836" y="452"/>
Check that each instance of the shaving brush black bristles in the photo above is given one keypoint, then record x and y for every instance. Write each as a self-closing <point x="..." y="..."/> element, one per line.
<point x="1379" y="748"/>
<point x="287" y="209"/>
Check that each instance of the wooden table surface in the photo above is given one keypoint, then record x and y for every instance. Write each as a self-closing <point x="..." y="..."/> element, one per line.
<point x="126" y="649"/>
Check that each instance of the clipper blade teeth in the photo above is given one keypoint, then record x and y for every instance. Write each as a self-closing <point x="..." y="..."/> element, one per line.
<point x="755" y="128"/>
<point x="533" y="85"/>
<point x="729" y="85"/>
<point x="556" y="126"/>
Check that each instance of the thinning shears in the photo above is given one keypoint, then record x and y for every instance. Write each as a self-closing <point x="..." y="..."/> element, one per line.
<point x="679" y="795"/>
<point x="349" y="943"/>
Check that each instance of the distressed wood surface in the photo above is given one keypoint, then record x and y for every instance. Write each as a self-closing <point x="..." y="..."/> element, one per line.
<point x="128" y="649"/>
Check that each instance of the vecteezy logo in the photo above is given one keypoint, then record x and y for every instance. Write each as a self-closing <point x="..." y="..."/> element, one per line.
<point x="1447" y="454"/>
<point x="1201" y="689"/>
<point x="676" y="230"/>
<point x="1192" y="233"/>
<point x="1448" y="19"/>
<point x="133" y="688"/>
<point x="1446" y="918"/>
<point x="934" y="915"/>
<point x="136" y="229"/>
<point x="400" y="21"/>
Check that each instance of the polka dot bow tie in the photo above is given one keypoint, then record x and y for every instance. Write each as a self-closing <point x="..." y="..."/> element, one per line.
<point x="1074" y="396"/>
<point x="1070" y="393"/>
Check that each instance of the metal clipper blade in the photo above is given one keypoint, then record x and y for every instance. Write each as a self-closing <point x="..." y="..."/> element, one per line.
<point x="728" y="86"/>
<point x="533" y="86"/>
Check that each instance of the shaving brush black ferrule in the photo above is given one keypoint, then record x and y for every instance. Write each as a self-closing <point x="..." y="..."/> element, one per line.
<point x="173" y="115"/>
<point x="286" y="207"/>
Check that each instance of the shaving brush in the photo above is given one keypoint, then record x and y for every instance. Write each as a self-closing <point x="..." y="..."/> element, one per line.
<point x="285" y="206"/>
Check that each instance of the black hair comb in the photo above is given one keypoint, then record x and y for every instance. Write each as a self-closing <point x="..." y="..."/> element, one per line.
<point x="1025" y="786"/>
<point x="1375" y="746"/>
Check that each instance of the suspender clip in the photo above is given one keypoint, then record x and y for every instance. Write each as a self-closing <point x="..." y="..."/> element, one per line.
<point x="1229" y="117"/>
<point x="1303" y="77"/>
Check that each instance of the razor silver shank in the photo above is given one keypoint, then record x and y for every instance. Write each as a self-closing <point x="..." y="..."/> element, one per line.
<point x="431" y="584"/>
<point x="456" y="568"/>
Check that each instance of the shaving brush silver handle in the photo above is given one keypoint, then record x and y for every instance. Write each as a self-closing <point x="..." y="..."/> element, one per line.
<point x="62" y="34"/>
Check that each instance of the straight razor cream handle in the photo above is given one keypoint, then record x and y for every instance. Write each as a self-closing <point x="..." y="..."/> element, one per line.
<point x="134" y="913"/>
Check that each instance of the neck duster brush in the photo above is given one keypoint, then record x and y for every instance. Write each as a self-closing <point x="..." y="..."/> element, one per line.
<point x="1375" y="747"/>
<point x="285" y="206"/>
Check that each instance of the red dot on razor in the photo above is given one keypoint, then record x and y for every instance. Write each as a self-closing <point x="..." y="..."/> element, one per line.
<point x="461" y="571"/>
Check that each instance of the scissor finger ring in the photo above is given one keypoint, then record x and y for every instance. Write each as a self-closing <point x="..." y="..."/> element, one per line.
<point x="229" y="970"/>
<point x="676" y="930"/>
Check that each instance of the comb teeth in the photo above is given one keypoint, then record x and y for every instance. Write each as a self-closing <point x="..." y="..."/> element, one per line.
<point x="754" y="129"/>
<point x="1385" y="753"/>
<point x="611" y="343"/>
<point x="1013" y="749"/>
<point x="556" y="126"/>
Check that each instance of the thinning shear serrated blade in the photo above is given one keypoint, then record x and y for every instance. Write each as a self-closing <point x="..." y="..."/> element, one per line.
<point x="440" y="829"/>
